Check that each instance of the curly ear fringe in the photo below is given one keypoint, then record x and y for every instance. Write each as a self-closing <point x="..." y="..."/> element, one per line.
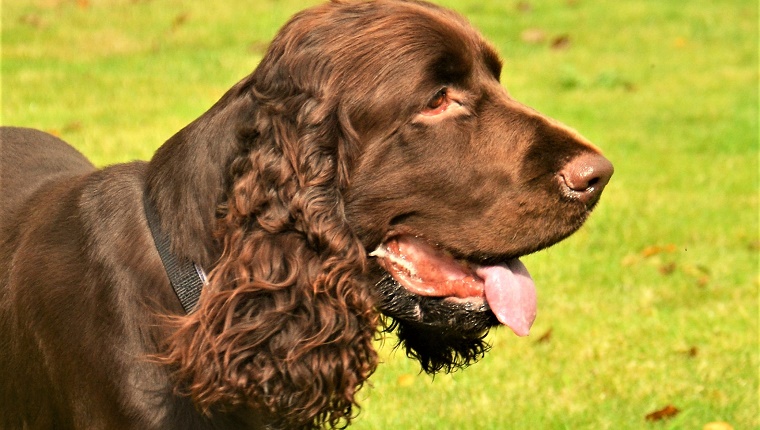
<point x="286" y="325"/>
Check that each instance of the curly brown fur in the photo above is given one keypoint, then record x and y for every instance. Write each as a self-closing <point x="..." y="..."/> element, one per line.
<point x="287" y="322"/>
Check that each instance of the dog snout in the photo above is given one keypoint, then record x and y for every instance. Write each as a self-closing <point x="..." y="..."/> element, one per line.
<point x="585" y="177"/>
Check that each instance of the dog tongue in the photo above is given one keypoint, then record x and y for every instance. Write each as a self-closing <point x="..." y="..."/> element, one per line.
<point x="511" y="294"/>
<point x="427" y="271"/>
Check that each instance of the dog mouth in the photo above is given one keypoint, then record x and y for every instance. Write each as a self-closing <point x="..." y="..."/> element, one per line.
<point x="430" y="271"/>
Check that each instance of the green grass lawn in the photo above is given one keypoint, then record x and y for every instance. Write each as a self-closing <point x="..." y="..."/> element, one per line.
<point x="653" y="303"/>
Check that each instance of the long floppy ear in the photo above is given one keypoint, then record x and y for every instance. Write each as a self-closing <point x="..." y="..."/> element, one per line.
<point x="287" y="323"/>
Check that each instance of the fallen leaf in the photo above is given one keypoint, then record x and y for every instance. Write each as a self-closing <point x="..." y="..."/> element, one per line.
<point x="84" y="4"/>
<point x="667" y="269"/>
<point x="546" y="337"/>
<point x="718" y="425"/>
<point x="630" y="87"/>
<point x="524" y="6"/>
<point x="754" y="245"/>
<point x="690" y="352"/>
<point x="561" y="42"/>
<point x="180" y="20"/>
<point x="663" y="414"/>
<point x="32" y="20"/>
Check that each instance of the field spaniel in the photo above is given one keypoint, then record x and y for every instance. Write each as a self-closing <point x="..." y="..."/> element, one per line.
<point x="371" y="174"/>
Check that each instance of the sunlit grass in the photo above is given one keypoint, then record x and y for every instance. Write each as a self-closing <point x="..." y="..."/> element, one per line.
<point x="654" y="302"/>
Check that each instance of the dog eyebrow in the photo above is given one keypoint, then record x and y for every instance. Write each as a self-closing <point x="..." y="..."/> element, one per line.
<point x="452" y="65"/>
<point x="492" y="60"/>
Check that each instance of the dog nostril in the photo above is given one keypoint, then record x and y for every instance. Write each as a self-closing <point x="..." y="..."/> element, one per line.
<point x="585" y="177"/>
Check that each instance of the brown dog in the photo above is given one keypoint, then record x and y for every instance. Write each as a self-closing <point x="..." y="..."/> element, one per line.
<point x="372" y="164"/>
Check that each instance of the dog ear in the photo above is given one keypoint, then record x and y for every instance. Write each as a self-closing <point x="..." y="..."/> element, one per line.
<point x="287" y="323"/>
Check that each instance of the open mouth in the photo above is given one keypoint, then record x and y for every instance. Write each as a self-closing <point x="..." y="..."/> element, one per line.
<point x="430" y="271"/>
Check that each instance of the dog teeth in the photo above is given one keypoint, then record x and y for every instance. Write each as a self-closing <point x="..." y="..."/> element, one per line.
<point x="398" y="261"/>
<point x="379" y="252"/>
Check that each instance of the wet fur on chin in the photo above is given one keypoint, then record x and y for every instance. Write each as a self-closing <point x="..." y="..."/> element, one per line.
<point x="441" y="334"/>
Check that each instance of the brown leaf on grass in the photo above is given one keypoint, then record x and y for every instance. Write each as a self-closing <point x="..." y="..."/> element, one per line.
<point x="630" y="87"/>
<point x="561" y="42"/>
<point x="180" y="20"/>
<point x="663" y="414"/>
<point x="546" y="337"/>
<point x="32" y="20"/>
<point x="651" y="251"/>
<point x="667" y="269"/>
<point x="692" y="352"/>
<point x="524" y="7"/>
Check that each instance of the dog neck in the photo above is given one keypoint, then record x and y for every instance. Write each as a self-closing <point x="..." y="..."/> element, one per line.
<point x="186" y="277"/>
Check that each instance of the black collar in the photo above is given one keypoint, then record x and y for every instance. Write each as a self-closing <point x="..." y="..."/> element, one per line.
<point x="186" y="277"/>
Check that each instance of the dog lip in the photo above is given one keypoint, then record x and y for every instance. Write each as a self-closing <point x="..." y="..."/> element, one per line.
<point x="468" y="264"/>
<point x="476" y="258"/>
<point x="428" y="270"/>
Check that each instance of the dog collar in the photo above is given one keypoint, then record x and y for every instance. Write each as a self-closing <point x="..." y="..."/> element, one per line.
<point x="187" y="278"/>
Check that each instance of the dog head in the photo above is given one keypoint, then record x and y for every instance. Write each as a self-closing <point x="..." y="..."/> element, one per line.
<point x="447" y="180"/>
<point x="377" y="164"/>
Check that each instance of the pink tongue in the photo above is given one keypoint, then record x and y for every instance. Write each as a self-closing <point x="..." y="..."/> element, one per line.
<point x="511" y="294"/>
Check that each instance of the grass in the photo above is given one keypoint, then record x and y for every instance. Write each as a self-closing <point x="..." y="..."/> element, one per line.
<point x="653" y="303"/>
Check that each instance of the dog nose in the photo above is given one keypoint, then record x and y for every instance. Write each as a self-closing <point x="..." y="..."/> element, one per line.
<point x="585" y="176"/>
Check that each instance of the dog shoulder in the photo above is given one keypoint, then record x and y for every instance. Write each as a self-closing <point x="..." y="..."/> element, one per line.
<point x="30" y="158"/>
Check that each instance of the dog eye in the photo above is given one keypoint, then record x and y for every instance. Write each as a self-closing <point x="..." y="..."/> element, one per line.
<point x="438" y="103"/>
<point x="438" y="99"/>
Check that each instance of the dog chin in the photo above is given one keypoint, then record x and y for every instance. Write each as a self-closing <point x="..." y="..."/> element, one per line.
<point x="443" y="334"/>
